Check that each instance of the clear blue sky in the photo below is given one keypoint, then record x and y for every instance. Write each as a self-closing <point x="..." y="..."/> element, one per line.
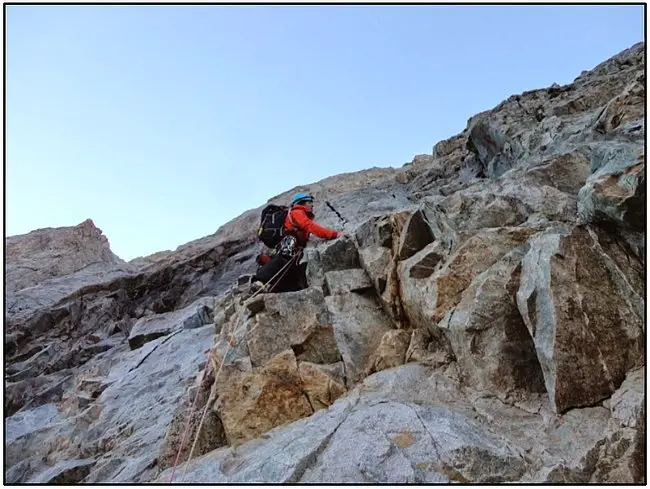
<point x="162" y="123"/>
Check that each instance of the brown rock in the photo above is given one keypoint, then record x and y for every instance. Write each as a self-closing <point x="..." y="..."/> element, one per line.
<point x="567" y="173"/>
<point x="429" y="347"/>
<point x="426" y="301"/>
<point x="255" y="402"/>
<point x="626" y="107"/>
<point x="619" y="458"/>
<point x="391" y="351"/>
<point x="492" y="345"/>
<point x="323" y="384"/>
<point x="587" y="332"/>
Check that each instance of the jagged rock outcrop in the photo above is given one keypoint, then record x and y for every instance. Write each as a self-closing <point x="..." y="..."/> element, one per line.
<point x="484" y="322"/>
<point x="54" y="252"/>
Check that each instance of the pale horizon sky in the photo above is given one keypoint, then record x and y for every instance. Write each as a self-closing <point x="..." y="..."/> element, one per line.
<point x="162" y="123"/>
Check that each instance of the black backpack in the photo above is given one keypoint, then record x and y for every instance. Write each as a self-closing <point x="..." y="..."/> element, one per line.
<point x="272" y="224"/>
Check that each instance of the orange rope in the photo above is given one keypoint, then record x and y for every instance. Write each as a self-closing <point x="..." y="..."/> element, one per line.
<point x="189" y="418"/>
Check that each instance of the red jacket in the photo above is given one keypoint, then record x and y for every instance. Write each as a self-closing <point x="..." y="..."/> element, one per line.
<point x="304" y="221"/>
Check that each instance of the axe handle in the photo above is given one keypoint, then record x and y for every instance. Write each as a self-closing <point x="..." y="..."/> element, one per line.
<point x="336" y="212"/>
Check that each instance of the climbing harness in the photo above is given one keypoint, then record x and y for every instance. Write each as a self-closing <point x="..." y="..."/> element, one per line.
<point x="206" y="371"/>
<point x="284" y="269"/>
<point x="288" y="246"/>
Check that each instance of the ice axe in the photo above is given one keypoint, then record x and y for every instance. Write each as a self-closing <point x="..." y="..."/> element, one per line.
<point x="343" y="219"/>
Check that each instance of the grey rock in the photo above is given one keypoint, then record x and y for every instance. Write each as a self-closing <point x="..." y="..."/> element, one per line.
<point x="313" y="271"/>
<point x="346" y="281"/>
<point x="415" y="236"/>
<point x="66" y="472"/>
<point x="627" y="401"/>
<point x="616" y="192"/>
<point x="359" y="325"/>
<point x="151" y="327"/>
<point x="154" y="383"/>
<point x="426" y="301"/>
<point x="429" y="346"/>
<point x="497" y="152"/>
<point x="16" y="473"/>
<point x="297" y="320"/>
<point x="340" y="254"/>
<point x="29" y="421"/>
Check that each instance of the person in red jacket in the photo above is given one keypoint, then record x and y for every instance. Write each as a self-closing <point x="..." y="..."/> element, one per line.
<point x="299" y="225"/>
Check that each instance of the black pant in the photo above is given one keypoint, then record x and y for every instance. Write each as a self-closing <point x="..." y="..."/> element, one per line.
<point x="287" y="279"/>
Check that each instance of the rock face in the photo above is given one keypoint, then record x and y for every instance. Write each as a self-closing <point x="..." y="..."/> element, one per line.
<point x="587" y="329"/>
<point x="54" y="252"/>
<point x="483" y="323"/>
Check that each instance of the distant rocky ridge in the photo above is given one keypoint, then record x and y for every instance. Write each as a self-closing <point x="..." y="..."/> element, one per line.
<point x="484" y="323"/>
<point x="143" y="261"/>
<point x="54" y="252"/>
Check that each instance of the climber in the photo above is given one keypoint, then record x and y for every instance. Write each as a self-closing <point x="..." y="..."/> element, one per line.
<point x="298" y="226"/>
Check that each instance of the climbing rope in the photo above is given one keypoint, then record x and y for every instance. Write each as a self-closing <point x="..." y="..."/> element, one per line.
<point x="285" y="268"/>
<point x="205" y="410"/>
<point x="189" y="418"/>
<point x="211" y="399"/>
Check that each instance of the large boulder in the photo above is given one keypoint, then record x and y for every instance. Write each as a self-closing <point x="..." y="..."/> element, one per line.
<point x="426" y="299"/>
<point x="624" y="109"/>
<point x="359" y="325"/>
<point x="344" y="281"/>
<point x="298" y="320"/>
<point x="567" y="172"/>
<point x="429" y="346"/>
<point x="391" y="351"/>
<point x="381" y="241"/>
<point x="585" y="318"/>
<point x="494" y="350"/>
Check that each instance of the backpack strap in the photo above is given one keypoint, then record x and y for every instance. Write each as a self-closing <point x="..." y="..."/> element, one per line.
<point x="293" y="223"/>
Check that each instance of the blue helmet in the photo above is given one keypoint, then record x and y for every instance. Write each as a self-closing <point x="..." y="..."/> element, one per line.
<point x="301" y="197"/>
